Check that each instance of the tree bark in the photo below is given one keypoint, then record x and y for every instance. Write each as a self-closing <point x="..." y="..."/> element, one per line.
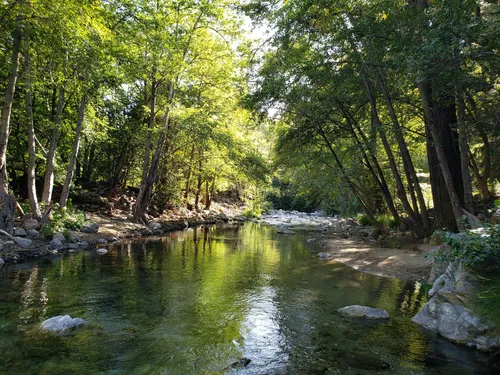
<point x="144" y="196"/>
<point x="33" y="199"/>
<point x="51" y="155"/>
<point x="151" y="124"/>
<point x="7" y="109"/>
<point x="464" y="151"/>
<point x="437" y="130"/>
<point x="74" y="152"/>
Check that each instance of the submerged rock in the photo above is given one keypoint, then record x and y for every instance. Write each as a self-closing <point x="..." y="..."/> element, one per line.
<point x="357" y="311"/>
<point x="62" y="323"/>
<point x="243" y="362"/>
<point x="450" y="312"/>
<point x="101" y="251"/>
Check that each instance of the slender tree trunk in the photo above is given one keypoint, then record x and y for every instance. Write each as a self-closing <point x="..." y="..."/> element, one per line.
<point x="464" y="151"/>
<point x="151" y="124"/>
<point x="414" y="219"/>
<point x="481" y="178"/>
<point x="74" y="152"/>
<point x="188" y="177"/>
<point x="350" y="183"/>
<point x="7" y="110"/>
<point x="35" y="209"/>
<point x="407" y="160"/>
<point x="144" y="196"/>
<point x="375" y="170"/>
<point x="198" y="193"/>
<point x="51" y="155"/>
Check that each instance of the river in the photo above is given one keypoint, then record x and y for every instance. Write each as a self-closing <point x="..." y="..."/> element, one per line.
<point x="194" y="302"/>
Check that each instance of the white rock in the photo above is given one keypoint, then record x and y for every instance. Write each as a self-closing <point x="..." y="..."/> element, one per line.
<point x="62" y="323"/>
<point x="101" y="251"/>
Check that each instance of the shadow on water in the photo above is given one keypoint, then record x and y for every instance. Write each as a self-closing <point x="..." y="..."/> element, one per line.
<point x="194" y="302"/>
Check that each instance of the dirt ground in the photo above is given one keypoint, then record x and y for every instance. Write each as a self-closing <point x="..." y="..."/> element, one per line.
<point x="407" y="263"/>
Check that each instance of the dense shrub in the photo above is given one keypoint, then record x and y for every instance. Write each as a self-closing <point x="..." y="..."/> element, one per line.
<point x="474" y="249"/>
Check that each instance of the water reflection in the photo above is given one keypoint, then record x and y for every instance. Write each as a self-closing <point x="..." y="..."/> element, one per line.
<point x="195" y="301"/>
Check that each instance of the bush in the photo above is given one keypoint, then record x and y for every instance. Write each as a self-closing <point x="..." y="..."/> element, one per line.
<point x="386" y="221"/>
<point x="364" y="220"/>
<point x="63" y="219"/>
<point x="474" y="249"/>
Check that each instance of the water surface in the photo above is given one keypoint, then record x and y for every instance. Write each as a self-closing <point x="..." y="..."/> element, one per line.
<point x="196" y="301"/>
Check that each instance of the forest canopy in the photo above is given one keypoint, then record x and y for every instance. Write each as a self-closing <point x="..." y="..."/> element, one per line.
<point x="385" y="107"/>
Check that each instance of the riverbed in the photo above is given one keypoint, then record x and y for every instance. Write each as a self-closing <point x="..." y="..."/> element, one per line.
<point x="196" y="301"/>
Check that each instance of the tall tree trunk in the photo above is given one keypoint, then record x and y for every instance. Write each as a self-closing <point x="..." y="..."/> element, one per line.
<point x="440" y="133"/>
<point x="414" y="219"/>
<point x="8" y="202"/>
<point x="464" y="151"/>
<point x="7" y="109"/>
<point x="188" y="177"/>
<point x="74" y="152"/>
<point x="35" y="209"/>
<point x="151" y="124"/>
<point x="51" y="155"/>
<point x="144" y="196"/>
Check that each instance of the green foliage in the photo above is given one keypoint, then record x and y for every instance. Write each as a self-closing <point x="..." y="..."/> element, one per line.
<point x="474" y="250"/>
<point x="364" y="220"/>
<point x="385" y="220"/>
<point x="63" y="220"/>
<point x="488" y="300"/>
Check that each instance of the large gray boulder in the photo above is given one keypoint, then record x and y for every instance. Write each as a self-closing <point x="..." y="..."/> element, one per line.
<point x="91" y="228"/>
<point x="357" y="311"/>
<point x="62" y="323"/>
<point x="23" y="242"/>
<point x="450" y="311"/>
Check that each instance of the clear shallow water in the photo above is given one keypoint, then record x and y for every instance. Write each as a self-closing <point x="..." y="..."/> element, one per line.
<point x="196" y="301"/>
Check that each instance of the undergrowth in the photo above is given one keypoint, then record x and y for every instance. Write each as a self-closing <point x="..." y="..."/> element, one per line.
<point x="63" y="220"/>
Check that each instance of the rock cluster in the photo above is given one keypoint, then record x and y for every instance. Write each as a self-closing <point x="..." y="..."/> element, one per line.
<point x="450" y="311"/>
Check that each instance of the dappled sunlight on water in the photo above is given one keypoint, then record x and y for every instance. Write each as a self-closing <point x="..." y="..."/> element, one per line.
<point x="196" y="301"/>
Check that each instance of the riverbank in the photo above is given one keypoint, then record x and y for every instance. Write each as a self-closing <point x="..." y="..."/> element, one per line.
<point x="346" y="241"/>
<point x="100" y="229"/>
<point x="406" y="263"/>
